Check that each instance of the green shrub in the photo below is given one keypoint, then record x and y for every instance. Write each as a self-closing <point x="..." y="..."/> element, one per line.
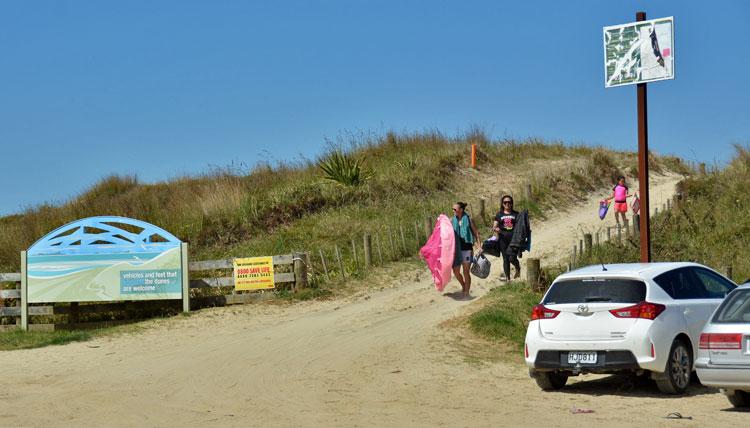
<point x="343" y="168"/>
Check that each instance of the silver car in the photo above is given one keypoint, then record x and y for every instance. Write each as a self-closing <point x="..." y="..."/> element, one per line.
<point x="724" y="348"/>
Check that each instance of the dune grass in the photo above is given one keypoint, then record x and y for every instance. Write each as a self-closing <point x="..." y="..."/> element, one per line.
<point x="18" y="339"/>
<point x="292" y="206"/>
<point x="506" y="313"/>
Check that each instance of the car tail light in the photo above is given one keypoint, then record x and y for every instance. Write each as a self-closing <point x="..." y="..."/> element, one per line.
<point x="653" y="351"/>
<point x="720" y="341"/>
<point x="540" y="312"/>
<point x="644" y="310"/>
<point x="526" y="350"/>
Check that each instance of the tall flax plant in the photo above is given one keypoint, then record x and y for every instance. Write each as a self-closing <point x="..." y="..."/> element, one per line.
<point x="344" y="168"/>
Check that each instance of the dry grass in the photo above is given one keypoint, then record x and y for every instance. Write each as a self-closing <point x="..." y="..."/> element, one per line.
<point x="277" y="209"/>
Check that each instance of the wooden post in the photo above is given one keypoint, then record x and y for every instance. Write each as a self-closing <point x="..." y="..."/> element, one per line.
<point x="428" y="225"/>
<point x="403" y="239"/>
<point x="24" y="294"/>
<point x="380" y="250"/>
<point x="300" y="271"/>
<point x="597" y="238"/>
<point x="393" y="247"/>
<point x="669" y="204"/>
<point x="609" y="233"/>
<point x="18" y="304"/>
<point x="728" y="270"/>
<point x="416" y="235"/>
<point x="185" y="278"/>
<point x="637" y="222"/>
<point x="533" y="272"/>
<point x="323" y="263"/>
<point x="643" y="163"/>
<point x="482" y="213"/>
<point x="354" y="255"/>
<point x="308" y="263"/>
<point x="529" y="195"/>
<point x="656" y="211"/>
<point x="589" y="242"/>
<point x="339" y="261"/>
<point x="573" y="258"/>
<point x="619" y="233"/>
<point x="580" y="247"/>
<point x="474" y="156"/>
<point x="368" y="250"/>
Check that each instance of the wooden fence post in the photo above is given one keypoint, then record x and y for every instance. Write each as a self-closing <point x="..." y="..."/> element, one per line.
<point x="533" y="272"/>
<point x="403" y="239"/>
<point x="323" y="263"/>
<point x="580" y="247"/>
<point x="728" y="270"/>
<point x="669" y="204"/>
<point x="393" y="247"/>
<point x="428" y="224"/>
<point x="589" y="242"/>
<point x="380" y="250"/>
<point x="354" y="255"/>
<point x="416" y="234"/>
<point x="619" y="233"/>
<point x="573" y="257"/>
<point x="482" y="213"/>
<point x="609" y="233"/>
<point x="300" y="271"/>
<point x="24" y="294"/>
<point x="529" y="195"/>
<point x="368" y="250"/>
<point x="597" y="238"/>
<point x="308" y="263"/>
<point x="340" y="263"/>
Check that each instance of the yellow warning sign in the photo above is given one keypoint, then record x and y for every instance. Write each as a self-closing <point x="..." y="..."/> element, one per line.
<point x="253" y="273"/>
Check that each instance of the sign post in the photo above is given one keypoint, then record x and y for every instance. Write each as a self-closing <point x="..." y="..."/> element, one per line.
<point x="638" y="53"/>
<point x="643" y="163"/>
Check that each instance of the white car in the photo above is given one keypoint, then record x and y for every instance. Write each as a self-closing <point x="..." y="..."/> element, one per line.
<point x="724" y="348"/>
<point x="635" y="318"/>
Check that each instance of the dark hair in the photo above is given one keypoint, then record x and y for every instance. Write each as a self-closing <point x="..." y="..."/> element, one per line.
<point x="462" y="205"/>
<point x="620" y="177"/>
<point x="508" y="197"/>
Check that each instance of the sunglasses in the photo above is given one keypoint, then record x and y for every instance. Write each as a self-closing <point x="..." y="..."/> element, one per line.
<point x="507" y="202"/>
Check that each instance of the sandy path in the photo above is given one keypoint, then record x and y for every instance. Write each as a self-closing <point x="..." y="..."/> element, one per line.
<point x="564" y="229"/>
<point x="374" y="359"/>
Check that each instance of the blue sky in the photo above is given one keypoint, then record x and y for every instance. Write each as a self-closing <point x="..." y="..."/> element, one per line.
<point x="167" y="88"/>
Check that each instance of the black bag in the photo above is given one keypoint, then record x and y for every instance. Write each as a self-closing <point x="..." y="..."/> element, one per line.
<point x="492" y="247"/>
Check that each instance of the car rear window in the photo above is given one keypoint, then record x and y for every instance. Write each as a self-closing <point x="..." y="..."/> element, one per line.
<point x="596" y="290"/>
<point x="735" y="309"/>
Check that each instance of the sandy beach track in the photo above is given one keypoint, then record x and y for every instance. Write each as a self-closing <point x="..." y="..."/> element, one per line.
<point x="381" y="357"/>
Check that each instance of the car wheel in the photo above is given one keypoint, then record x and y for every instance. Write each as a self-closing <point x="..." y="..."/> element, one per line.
<point x="739" y="398"/>
<point x="676" y="376"/>
<point x="550" y="381"/>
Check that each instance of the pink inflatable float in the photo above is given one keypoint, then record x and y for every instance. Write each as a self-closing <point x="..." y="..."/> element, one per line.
<point x="439" y="251"/>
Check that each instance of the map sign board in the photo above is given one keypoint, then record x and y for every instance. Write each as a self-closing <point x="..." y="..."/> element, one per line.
<point x="104" y="259"/>
<point x="253" y="273"/>
<point x="639" y="52"/>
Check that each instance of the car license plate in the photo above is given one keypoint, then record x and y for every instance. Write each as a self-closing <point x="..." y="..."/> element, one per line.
<point x="582" y="357"/>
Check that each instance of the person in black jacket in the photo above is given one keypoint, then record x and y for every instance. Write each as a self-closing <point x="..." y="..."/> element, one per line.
<point x="504" y="225"/>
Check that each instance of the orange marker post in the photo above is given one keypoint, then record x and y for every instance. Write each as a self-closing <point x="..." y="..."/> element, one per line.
<point x="474" y="156"/>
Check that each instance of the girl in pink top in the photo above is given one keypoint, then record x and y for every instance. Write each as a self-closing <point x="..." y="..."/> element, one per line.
<point x="620" y="195"/>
